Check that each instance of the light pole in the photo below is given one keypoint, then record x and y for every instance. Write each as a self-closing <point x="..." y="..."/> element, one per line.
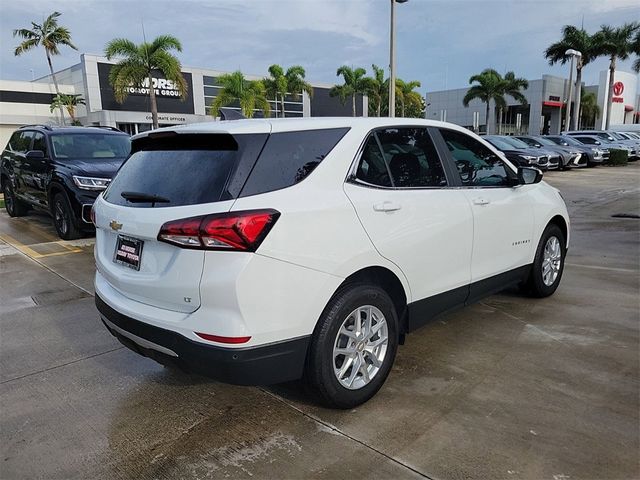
<point x="574" y="54"/>
<point x="392" y="59"/>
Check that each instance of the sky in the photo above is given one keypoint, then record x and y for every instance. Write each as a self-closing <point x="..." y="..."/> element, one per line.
<point x="440" y="43"/>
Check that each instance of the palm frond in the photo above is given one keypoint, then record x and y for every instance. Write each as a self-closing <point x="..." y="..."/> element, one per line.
<point x="121" y="47"/>
<point x="165" y="43"/>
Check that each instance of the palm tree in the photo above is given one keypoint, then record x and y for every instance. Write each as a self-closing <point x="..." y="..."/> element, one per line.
<point x="276" y="85"/>
<point x="617" y="43"/>
<point x="138" y="64"/>
<point x="512" y="87"/>
<point x="377" y="90"/>
<point x="635" y="48"/>
<point x="354" y="83"/>
<point x="50" y="35"/>
<point x="250" y="94"/>
<point x="405" y="94"/>
<point x="69" y="102"/>
<point x="576" y="39"/>
<point x="589" y="109"/>
<point x="281" y="83"/>
<point x="296" y="84"/>
<point x="491" y="86"/>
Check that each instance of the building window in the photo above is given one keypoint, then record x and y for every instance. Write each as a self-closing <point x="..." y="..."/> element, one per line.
<point x="293" y="107"/>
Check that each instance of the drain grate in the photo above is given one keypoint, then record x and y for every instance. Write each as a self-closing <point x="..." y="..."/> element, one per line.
<point x="625" y="215"/>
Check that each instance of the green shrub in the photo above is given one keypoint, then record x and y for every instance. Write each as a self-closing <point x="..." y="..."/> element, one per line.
<point x="618" y="157"/>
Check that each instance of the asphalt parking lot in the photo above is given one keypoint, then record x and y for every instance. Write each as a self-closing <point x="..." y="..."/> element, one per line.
<point x="511" y="387"/>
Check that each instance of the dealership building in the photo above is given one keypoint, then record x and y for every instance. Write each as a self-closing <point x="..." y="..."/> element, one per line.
<point x="544" y="112"/>
<point x="29" y="102"/>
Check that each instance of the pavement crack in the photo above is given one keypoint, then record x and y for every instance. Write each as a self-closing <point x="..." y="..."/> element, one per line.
<point x="26" y="375"/>
<point x="344" y="434"/>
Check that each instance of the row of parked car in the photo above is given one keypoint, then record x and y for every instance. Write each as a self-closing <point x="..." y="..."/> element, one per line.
<point x="62" y="170"/>
<point x="585" y="148"/>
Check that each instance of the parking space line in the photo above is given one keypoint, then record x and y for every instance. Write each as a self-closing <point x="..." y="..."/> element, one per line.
<point x="19" y="246"/>
<point x="27" y="250"/>
<point x="597" y="267"/>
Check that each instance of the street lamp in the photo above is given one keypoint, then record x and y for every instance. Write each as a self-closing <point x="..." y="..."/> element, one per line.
<point x="574" y="54"/>
<point x="392" y="60"/>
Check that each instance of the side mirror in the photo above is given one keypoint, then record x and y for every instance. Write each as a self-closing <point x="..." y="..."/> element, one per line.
<point x="35" y="155"/>
<point x="528" y="176"/>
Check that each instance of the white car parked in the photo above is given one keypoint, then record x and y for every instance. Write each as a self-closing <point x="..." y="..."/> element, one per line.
<point x="262" y="251"/>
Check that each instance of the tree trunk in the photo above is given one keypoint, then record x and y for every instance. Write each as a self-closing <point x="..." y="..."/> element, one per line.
<point x="500" y="121"/>
<point x="402" y="110"/>
<point x="379" y="105"/>
<point x="154" y="104"/>
<point x="282" y="104"/>
<point x="353" y="104"/>
<point x="577" y="106"/>
<point x="55" y="84"/>
<point x="486" y="120"/>
<point x="612" y="74"/>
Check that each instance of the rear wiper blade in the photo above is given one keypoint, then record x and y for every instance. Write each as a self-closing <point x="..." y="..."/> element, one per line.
<point x="139" y="197"/>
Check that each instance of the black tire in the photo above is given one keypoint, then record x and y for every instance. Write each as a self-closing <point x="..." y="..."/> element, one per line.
<point x="13" y="206"/>
<point x="64" y="219"/>
<point x="536" y="285"/>
<point x="320" y="375"/>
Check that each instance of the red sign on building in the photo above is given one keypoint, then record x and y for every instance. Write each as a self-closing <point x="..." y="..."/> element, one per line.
<point x="618" y="88"/>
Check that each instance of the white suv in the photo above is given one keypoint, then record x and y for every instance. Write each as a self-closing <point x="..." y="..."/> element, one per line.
<point x="262" y="251"/>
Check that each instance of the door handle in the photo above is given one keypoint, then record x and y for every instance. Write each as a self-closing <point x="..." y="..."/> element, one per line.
<point x="386" y="207"/>
<point x="481" y="201"/>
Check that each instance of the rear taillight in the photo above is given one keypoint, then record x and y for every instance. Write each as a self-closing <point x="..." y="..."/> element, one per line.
<point x="92" y="215"/>
<point x="243" y="231"/>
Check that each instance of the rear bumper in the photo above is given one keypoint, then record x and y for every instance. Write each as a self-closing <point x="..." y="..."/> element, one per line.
<point x="261" y="365"/>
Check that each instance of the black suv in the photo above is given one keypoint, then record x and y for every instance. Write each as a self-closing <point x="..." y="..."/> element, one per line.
<point x="60" y="170"/>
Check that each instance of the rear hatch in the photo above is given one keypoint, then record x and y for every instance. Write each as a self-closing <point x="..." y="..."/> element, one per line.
<point x="168" y="177"/>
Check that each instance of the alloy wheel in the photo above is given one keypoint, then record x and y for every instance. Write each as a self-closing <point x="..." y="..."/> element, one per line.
<point x="551" y="261"/>
<point x="61" y="218"/>
<point x="360" y="347"/>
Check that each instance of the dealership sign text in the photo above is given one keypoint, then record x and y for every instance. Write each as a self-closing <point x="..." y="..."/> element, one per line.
<point x="162" y="87"/>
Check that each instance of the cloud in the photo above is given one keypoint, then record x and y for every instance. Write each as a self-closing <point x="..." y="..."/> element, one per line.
<point x="438" y="41"/>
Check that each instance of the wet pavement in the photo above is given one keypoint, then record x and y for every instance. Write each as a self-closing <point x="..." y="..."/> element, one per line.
<point x="511" y="387"/>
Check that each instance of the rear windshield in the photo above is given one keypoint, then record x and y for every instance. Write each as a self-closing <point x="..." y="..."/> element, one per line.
<point x="87" y="146"/>
<point x="182" y="169"/>
<point x="170" y="169"/>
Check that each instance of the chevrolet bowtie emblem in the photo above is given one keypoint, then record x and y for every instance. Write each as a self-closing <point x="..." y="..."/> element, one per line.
<point x="115" y="225"/>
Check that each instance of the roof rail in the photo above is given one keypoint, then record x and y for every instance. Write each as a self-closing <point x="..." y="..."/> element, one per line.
<point x="106" y="127"/>
<point x="39" y="125"/>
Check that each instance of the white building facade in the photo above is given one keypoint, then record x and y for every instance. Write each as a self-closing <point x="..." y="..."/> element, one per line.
<point x="29" y="102"/>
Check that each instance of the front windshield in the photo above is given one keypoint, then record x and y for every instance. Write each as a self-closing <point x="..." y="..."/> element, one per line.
<point x="88" y="146"/>
<point x="529" y="141"/>
<point x="546" y="141"/>
<point x="499" y="143"/>
<point x="515" y="142"/>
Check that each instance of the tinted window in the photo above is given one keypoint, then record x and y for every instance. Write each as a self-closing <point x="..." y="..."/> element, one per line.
<point x="39" y="143"/>
<point x="477" y="165"/>
<point x="411" y="157"/>
<point x="185" y="169"/>
<point x="529" y="141"/>
<point x="515" y="142"/>
<point x="289" y="157"/>
<point x="20" y="141"/>
<point x="588" y="140"/>
<point x="372" y="167"/>
<point x="90" y="145"/>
